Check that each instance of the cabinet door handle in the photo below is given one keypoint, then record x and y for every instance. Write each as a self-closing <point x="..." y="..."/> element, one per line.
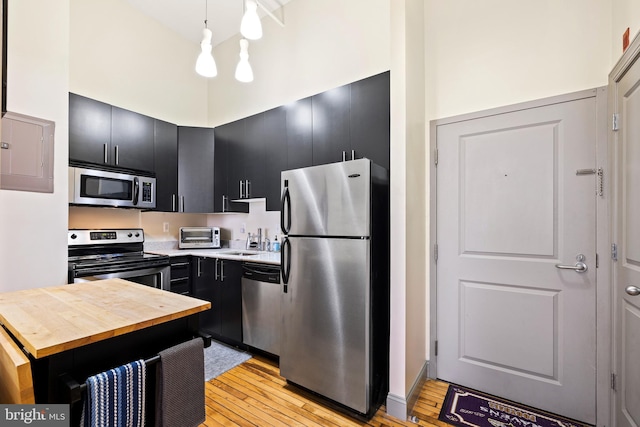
<point x="173" y="203"/>
<point x="106" y="153"/>
<point x="221" y="270"/>
<point x="215" y="274"/>
<point x="241" y="191"/>
<point x="353" y="154"/>
<point x="224" y="203"/>
<point x="199" y="271"/>
<point x="181" y="203"/>
<point x="117" y="155"/>
<point x="247" y="189"/>
<point x="344" y="156"/>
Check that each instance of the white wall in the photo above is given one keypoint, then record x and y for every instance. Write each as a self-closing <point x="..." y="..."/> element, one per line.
<point x="496" y="52"/>
<point x="626" y="14"/>
<point x="124" y="58"/>
<point x="33" y="238"/>
<point x="324" y="44"/>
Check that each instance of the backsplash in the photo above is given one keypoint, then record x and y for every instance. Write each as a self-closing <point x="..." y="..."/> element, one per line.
<point x="234" y="227"/>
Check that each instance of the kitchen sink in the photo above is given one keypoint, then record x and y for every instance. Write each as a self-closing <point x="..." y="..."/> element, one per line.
<point x="239" y="253"/>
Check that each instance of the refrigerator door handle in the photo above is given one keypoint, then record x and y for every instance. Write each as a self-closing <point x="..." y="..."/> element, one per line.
<point x="285" y="263"/>
<point x="285" y="211"/>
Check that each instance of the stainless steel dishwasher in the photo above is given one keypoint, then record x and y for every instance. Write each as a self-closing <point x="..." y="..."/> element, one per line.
<point x="261" y="306"/>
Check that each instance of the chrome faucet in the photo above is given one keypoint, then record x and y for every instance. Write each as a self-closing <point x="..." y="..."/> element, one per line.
<point x="259" y="239"/>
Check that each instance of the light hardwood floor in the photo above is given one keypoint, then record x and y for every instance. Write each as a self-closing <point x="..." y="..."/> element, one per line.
<point x="254" y="394"/>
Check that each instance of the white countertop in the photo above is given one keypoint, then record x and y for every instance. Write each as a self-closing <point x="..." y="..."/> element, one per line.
<point x="224" y="253"/>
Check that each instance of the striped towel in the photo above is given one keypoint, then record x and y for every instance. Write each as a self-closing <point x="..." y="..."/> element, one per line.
<point x="116" y="398"/>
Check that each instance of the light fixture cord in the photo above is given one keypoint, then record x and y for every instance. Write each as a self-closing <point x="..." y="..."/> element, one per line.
<point x="206" y="12"/>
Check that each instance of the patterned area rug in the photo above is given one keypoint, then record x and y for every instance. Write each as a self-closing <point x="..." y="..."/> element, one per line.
<point x="470" y="408"/>
<point x="219" y="358"/>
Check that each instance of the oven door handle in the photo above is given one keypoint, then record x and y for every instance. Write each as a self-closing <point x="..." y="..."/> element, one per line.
<point x="136" y="191"/>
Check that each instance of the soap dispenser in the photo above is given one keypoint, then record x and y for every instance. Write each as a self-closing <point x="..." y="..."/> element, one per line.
<point x="275" y="245"/>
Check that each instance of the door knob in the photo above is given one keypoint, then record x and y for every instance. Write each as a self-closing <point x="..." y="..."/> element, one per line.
<point x="633" y="290"/>
<point x="579" y="266"/>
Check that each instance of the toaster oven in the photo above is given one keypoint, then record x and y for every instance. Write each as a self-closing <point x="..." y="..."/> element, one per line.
<point x="199" y="238"/>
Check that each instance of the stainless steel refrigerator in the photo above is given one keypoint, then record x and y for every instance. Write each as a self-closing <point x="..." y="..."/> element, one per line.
<point x="335" y="275"/>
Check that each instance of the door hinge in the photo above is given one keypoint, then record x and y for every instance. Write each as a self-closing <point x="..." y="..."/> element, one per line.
<point x="614" y="252"/>
<point x="615" y="125"/>
<point x="435" y="157"/>
<point x="435" y="253"/>
<point x="436" y="348"/>
<point x="613" y="382"/>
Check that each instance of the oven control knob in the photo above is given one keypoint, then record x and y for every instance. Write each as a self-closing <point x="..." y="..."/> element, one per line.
<point x="137" y="234"/>
<point x="74" y="236"/>
<point x="129" y="235"/>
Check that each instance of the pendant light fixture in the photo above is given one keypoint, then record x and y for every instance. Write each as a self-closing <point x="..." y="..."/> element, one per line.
<point x="250" y="26"/>
<point x="206" y="65"/>
<point x="244" y="73"/>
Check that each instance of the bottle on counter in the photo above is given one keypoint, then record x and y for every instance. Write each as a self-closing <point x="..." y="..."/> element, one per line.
<point x="275" y="246"/>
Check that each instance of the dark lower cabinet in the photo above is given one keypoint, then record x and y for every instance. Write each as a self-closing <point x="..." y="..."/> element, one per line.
<point x="181" y="275"/>
<point x="230" y="299"/>
<point x="219" y="282"/>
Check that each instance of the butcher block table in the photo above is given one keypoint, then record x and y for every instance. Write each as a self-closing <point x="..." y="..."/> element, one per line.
<point x="81" y="329"/>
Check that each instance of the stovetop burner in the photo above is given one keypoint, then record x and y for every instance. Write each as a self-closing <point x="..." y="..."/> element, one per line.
<point x="88" y="248"/>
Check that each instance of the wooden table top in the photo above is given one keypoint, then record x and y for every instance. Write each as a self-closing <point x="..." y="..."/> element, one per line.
<point x="51" y="320"/>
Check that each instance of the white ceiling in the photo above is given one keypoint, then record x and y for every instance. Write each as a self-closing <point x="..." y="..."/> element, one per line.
<point x="186" y="17"/>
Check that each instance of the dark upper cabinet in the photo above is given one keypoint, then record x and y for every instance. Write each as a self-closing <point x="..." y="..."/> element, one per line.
<point x="299" y="129"/>
<point x="230" y="151"/>
<point x="220" y="172"/>
<point x="275" y="160"/>
<point x="370" y="118"/>
<point x="105" y="135"/>
<point x="89" y="130"/>
<point x="196" y="169"/>
<point x="132" y="140"/>
<point x="166" y="165"/>
<point x="253" y="154"/>
<point x="330" y="123"/>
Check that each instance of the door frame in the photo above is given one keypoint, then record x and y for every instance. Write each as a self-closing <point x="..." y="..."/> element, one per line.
<point x="628" y="58"/>
<point x="604" y="289"/>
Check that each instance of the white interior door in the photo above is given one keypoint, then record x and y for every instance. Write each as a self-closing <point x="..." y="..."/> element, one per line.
<point x="511" y="210"/>
<point x="627" y="269"/>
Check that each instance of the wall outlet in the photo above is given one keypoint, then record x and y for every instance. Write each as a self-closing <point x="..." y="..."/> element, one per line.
<point x="165" y="227"/>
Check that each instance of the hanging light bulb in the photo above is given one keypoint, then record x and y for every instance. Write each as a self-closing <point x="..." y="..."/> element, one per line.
<point x="206" y="65"/>
<point x="244" y="73"/>
<point x="250" y="26"/>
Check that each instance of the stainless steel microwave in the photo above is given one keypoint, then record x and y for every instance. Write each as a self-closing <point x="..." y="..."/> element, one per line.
<point x="106" y="188"/>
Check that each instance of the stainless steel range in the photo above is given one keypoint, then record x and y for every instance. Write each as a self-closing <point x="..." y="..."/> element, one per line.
<point x="115" y="253"/>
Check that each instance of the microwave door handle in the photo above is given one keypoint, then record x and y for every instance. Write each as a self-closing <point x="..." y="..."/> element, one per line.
<point x="136" y="191"/>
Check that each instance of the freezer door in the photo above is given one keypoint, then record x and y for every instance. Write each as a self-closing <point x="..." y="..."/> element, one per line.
<point x="326" y="312"/>
<point x="327" y="200"/>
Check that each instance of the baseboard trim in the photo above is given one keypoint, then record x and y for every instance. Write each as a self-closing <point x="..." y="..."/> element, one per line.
<point x="401" y="407"/>
<point x="414" y="394"/>
<point x="396" y="406"/>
